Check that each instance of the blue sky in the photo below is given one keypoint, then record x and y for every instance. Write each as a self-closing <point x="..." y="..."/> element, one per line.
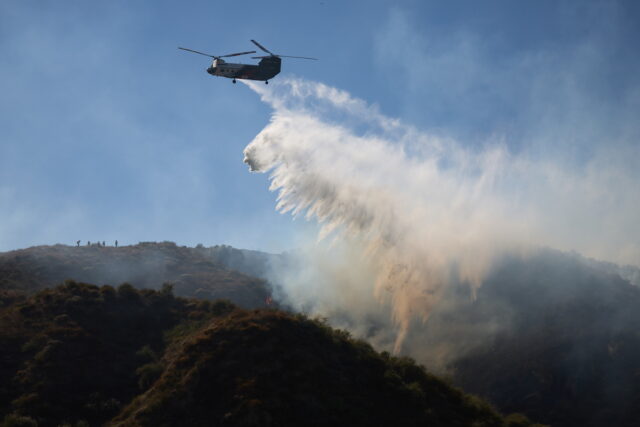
<point x="107" y="131"/>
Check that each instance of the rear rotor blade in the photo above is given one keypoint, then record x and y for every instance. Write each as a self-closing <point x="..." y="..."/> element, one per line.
<point x="195" y="51"/>
<point x="236" y="54"/>
<point x="262" y="47"/>
<point x="299" y="57"/>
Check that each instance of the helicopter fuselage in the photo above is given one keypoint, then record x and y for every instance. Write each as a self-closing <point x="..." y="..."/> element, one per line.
<point x="266" y="69"/>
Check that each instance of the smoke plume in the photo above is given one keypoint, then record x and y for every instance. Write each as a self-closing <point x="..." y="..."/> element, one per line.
<point x="404" y="215"/>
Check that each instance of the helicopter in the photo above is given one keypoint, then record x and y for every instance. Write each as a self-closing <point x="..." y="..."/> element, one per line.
<point x="267" y="68"/>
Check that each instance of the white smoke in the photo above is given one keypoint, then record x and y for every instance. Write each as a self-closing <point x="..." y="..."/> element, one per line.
<point x="413" y="212"/>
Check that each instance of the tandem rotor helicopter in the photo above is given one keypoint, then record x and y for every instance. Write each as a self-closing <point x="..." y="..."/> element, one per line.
<point x="267" y="68"/>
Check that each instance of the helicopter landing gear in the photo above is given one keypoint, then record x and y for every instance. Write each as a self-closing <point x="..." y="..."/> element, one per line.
<point x="234" y="81"/>
<point x="266" y="82"/>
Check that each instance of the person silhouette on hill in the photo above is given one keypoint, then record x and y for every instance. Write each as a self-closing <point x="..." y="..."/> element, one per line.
<point x="78" y="243"/>
<point x="116" y="243"/>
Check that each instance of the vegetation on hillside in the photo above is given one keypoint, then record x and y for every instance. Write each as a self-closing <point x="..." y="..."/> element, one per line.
<point x="194" y="272"/>
<point x="554" y="336"/>
<point x="80" y="354"/>
<point x="567" y="350"/>
<point x="74" y="351"/>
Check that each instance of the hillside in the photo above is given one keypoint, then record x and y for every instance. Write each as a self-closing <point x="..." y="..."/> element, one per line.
<point x="85" y="355"/>
<point x="553" y="335"/>
<point x="193" y="272"/>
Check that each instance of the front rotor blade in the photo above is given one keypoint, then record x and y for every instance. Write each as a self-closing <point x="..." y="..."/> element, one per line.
<point x="262" y="47"/>
<point x="195" y="51"/>
<point x="300" y="57"/>
<point x="236" y="54"/>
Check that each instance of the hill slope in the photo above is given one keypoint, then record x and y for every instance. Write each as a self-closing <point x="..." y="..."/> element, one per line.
<point x="571" y="355"/>
<point x="552" y="335"/>
<point x="194" y="272"/>
<point x="81" y="353"/>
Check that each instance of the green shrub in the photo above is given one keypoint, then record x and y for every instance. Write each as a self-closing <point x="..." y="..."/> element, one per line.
<point x="14" y="420"/>
<point x="108" y="292"/>
<point x="146" y="354"/>
<point x="127" y="292"/>
<point x="166" y="290"/>
<point x="148" y="374"/>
